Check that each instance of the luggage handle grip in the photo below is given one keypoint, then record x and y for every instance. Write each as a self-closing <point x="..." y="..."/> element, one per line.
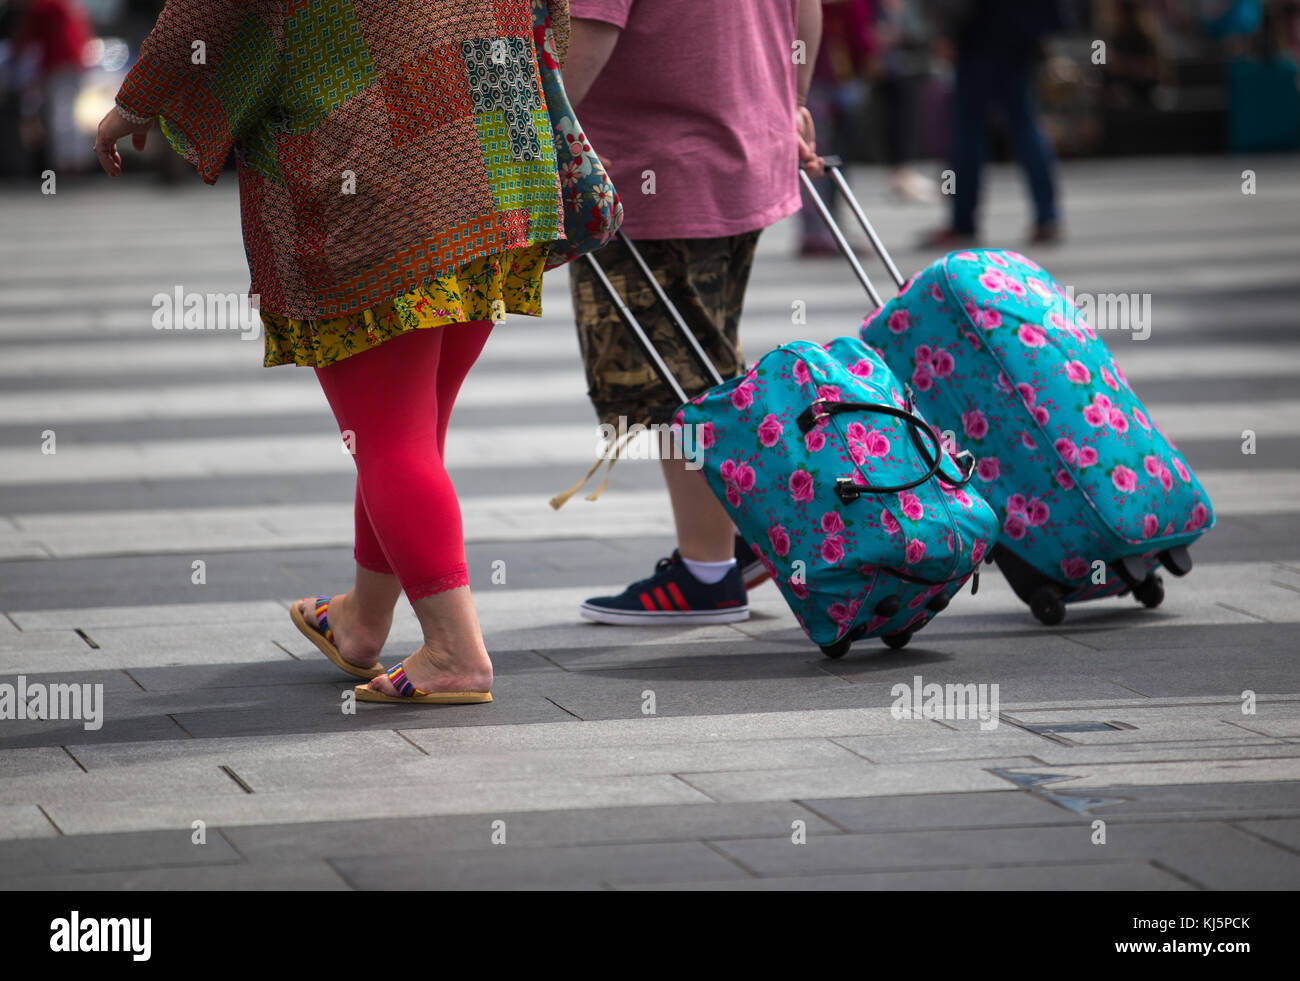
<point x="849" y="490"/>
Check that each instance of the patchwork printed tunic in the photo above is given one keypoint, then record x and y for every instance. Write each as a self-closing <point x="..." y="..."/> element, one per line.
<point x="383" y="147"/>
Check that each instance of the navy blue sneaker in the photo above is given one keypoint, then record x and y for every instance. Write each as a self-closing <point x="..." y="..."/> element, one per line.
<point x="673" y="595"/>
<point x="752" y="572"/>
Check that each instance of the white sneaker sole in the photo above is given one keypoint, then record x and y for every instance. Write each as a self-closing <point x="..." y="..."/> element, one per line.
<point x="663" y="618"/>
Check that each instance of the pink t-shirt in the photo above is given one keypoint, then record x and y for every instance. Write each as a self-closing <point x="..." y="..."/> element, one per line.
<point x="702" y="93"/>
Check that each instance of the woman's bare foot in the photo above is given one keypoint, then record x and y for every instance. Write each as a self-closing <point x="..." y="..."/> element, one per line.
<point x="432" y="670"/>
<point x="359" y="641"/>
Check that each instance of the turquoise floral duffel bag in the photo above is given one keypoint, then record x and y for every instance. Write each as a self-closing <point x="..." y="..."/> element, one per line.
<point x="866" y="524"/>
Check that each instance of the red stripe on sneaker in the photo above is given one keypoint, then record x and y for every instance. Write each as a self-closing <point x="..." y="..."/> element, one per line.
<point x="678" y="598"/>
<point x="647" y="602"/>
<point x="661" y="599"/>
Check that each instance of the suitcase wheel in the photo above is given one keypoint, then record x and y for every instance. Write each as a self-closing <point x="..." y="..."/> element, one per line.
<point x="1047" y="605"/>
<point x="1176" y="560"/>
<point x="898" y="640"/>
<point x="938" y="603"/>
<point x="1151" y="591"/>
<point x="838" y="649"/>
<point x="889" y="606"/>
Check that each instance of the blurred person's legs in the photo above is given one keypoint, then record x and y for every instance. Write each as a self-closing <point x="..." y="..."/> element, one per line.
<point x="897" y="106"/>
<point x="972" y="95"/>
<point x="394" y="401"/>
<point x="1016" y="96"/>
<point x="706" y="280"/>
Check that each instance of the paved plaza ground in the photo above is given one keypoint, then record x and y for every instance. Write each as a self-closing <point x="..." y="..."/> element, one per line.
<point x="177" y="446"/>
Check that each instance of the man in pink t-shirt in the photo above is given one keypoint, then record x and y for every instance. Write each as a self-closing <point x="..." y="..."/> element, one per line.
<point x="696" y="106"/>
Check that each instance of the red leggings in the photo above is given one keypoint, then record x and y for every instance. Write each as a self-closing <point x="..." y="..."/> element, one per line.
<point x="396" y="399"/>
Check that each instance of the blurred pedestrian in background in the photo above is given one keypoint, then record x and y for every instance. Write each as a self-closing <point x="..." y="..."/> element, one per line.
<point x="50" y="38"/>
<point x="837" y="99"/>
<point x="997" y="46"/>
<point x="1135" y="56"/>
<point x="393" y="207"/>
<point x="870" y="48"/>
<point x="900" y="63"/>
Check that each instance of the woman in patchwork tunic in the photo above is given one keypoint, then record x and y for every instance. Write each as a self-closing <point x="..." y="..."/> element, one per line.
<point x="398" y="194"/>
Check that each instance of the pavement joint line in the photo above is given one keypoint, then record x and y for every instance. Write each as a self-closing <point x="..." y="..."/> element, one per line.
<point x="543" y="655"/>
<point x="1284" y="585"/>
<point x="177" y="724"/>
<point x="127" y="672"/>
<point x="563" y="709"/>
<point x="403" y="735"/>
<point x="41" y="808"/>
<point x="1264" y="839"/>
<point x="75" y="760"/>
<point x="286" y="650"/>
<point x="237" y="778"/>
<point x="709" y="844"/>
<point x="1245" y="613"/>
<point x="836" y="741"/>
<point x="1155" y="863"/>
<point x="12" y="621"/>
<point x="1130" y="688"/>
<point x="818" y="814"/>
<point x="231" y="845"/>
<point x="87" y="638"/>
<point x="678" y="776"/>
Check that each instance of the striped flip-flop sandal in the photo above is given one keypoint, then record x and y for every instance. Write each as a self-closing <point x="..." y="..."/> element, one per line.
<point x="407" y="692"/>
<point x="323" y="637"/>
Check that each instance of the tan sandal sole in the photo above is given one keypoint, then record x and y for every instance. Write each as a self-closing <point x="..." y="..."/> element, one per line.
<point x="328" y="649"/>
<point x="365" y="694"/>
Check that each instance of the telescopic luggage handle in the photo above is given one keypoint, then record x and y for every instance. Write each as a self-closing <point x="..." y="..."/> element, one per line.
<point x="833" y="167"/>
<point x="629" y="319"/>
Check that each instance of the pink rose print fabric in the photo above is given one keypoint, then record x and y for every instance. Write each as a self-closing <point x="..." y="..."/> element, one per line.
<point x="1064" y="449"/>
<point x="837" y="558"/>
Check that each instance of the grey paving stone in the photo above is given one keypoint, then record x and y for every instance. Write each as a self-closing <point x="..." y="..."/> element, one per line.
<point x="100" y="853"/>
<point x="297" y="876"/>
<point x="526" y="829"/>
<point x="652" y="730"/>
<point x="17" y="735"/>
<point x="918" y="812"/>
<point x="319" y="710"/>
<point x="1098" y="877"/>
<point x="1210" y="854"/>
<point x="274" y="776"/>
<point x="907" y="744"/>
<point x="857" y="780"/>
<point x="1204" y="800"/>
<point x="1167" y="752"/>
<point x="509" y="867"/>
<point x="374" y="802"/>
<point x="24" y="821"/>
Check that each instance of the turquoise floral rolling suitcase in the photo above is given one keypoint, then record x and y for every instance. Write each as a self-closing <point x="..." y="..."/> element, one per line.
<point x="1092" y="496"/>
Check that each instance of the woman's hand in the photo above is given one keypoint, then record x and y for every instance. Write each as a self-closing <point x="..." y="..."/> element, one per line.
<point x="808" y="158"/>
<point x="111" y="129"/>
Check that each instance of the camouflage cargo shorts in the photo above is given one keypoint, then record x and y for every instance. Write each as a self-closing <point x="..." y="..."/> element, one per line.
<point x="705" y="278"/>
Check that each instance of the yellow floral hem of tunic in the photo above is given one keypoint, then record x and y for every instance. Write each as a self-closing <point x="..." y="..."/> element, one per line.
<point x="486" y="288"/>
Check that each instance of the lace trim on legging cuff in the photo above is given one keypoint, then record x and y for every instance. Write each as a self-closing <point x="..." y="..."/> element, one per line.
<point x="457" y="577"/>
<point x="382" y="570"/>
<point x="132" y="117"/>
